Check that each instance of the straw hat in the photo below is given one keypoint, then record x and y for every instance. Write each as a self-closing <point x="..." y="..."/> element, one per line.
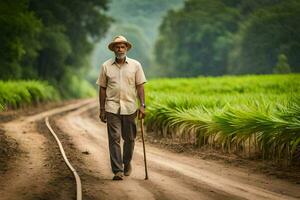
<point x="119" y="39"/>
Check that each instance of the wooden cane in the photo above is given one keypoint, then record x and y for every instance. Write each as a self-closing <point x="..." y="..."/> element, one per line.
<point x="144" y="149"/>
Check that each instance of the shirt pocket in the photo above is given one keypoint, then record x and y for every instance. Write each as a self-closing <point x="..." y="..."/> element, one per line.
<point x="130" y="77"/>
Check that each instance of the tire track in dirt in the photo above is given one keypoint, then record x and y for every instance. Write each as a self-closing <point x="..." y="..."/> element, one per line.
<point x="38" y="172"/>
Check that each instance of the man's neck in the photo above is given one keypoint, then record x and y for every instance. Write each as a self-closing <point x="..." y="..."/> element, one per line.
<point x="120" y="60"/>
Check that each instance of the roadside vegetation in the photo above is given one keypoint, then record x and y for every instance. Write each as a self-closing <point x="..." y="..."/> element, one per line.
<point x="18" y="94"/>
<point x="256" y="115"/>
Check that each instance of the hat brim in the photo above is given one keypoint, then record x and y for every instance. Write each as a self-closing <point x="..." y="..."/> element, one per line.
<point x="112" y="44"/>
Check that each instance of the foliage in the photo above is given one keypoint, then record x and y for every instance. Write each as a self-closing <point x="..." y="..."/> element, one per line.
<point x="48" y="39"/>
<point x="282" y="66"/>
<point x="252" y="114"/>
<point x="259" y="84"/>
<point x="228" y="37"/>
<point x="190" y="36"/>
<point x="266" y="34"/>
<point x="17" y="94"/>
<point x="70" y="31"/>
<point x="76" y="87"/>
<point x="19" y="31"/>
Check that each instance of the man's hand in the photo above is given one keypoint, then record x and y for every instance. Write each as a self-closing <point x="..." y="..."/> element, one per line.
<point x="102" y="116"/>
<point x="141" y="113"/>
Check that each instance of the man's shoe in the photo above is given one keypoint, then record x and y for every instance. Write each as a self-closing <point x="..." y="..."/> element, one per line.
<point x="127" y="170"/>
<point x="118" y="176"/>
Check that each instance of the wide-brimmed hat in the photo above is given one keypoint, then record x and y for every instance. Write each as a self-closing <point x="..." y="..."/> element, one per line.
<point x="119" y="39"/>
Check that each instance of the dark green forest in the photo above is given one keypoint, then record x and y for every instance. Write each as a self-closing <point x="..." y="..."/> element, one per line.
<point x="50" y="40"/>
<point x="230" y="37"/>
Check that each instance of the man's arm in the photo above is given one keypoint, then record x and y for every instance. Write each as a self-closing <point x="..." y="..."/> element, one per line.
<point x="141" y="96"/>
<point x="102" y="98"/>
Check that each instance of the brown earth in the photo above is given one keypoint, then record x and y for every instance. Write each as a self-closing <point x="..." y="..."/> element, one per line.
<point x="37" y="171"/>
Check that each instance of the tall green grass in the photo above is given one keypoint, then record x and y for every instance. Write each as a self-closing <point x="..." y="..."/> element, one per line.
<point x="249" y="114"/>
<point x="17" y="94"/>
<point x="274" y="84"/>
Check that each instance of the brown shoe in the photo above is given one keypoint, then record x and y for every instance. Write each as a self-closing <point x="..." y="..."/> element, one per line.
<point x="127" y="170"/>
<point x="118" y="176"/>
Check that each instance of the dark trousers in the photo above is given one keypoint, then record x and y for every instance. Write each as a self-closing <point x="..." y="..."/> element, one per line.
<point x="117" y="126"/>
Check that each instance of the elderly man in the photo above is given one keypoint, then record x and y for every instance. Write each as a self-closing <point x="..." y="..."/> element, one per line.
<point x="121" y="82"/>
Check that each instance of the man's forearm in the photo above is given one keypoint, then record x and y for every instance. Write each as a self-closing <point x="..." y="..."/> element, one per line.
<point x="141" y="93"/>
<point x="102" y="97"/>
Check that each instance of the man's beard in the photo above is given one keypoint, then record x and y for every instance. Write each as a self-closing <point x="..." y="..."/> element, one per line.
<point x="120" y="56"/>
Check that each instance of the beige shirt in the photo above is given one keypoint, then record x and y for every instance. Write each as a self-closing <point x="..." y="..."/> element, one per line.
<point x="120" y="82"/>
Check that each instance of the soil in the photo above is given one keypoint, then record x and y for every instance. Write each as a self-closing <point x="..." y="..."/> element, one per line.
<point x="13" y="114"/>
<point x="290" y="173"/>
<point x="8" y="151"/>
<point x="33" y="167"/>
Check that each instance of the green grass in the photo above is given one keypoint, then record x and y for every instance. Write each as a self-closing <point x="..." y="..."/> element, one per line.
<point x="250" y="114"/>
<point x="17" y="94"/>
<point x="271" y="84"/>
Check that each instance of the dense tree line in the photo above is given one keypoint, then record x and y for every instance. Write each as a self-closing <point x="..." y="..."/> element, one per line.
<point x="229" y="37"/>
<point x="49" y="40"/>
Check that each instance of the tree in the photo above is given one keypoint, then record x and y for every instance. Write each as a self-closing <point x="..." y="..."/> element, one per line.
<point x="70" y="30"/>
<point x="267" y="33"/>
<point x="49" y="40"/>
<point x="194" y="40"/>
<point x="19" y="43"/>
<point x="282" y="66"/>
<point x="229" y="36"/>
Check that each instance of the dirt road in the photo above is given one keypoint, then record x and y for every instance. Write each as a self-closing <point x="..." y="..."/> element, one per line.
<point x="38" y="172"/>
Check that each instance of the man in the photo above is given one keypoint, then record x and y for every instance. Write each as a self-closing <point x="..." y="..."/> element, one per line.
<point x="121" y="82"/>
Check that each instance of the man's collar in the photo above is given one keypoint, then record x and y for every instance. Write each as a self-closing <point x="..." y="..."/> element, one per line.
<point x="115" y="62"/>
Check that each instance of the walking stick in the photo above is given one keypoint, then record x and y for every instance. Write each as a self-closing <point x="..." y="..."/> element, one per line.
<point x="145" y="161"/>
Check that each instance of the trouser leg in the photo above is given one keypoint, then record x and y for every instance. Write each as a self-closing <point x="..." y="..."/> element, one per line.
<point x="114" y="137"/>
<point x="128" y="134"/>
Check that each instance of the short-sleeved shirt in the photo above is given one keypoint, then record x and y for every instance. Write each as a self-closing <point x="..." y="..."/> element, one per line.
<point x="120" y="82"/>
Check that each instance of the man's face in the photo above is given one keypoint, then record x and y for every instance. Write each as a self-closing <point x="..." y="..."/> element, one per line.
<point x="120" y="50"/>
